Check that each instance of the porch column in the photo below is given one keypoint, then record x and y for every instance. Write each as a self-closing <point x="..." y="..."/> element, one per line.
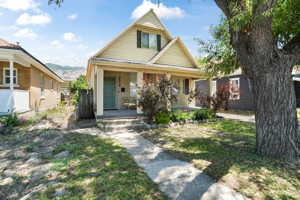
<point x="11" y="75"/>
<point x="192" y="89"/>
<point x="100" y="74"/>
<point x="139" y="81"/>
<point x="11" y="86"/>
<point x="169" y="104"/>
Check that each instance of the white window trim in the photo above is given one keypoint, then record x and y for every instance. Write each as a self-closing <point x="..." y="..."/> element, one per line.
<point x="239" y="85"/>
<point x="4" y="77"/>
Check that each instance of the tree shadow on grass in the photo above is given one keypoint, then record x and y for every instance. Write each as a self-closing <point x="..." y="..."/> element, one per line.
<point x="221" y="154"/>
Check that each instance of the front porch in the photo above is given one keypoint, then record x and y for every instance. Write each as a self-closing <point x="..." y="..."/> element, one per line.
<point x="116" y="92"/>
<point x="116" y="85"/>
<point x="14" y="83"/>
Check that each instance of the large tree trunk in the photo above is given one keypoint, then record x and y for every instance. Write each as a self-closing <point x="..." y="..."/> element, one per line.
<point x="275" y="112"/>
<point x="269" y="67"/>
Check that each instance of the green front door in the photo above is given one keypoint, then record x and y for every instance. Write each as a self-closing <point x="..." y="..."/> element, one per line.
<point x="109" y="93"/>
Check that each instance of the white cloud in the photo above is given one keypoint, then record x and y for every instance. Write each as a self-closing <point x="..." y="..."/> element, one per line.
<point x="57" y="44"/>
<point x="69" y="37"/>
<point x="1" y="13"/>
<point x="18" y="4"/>
<point x="162" y="11"/>
<point x="25" y="33"/>
<point x="40" y="19"/>
<point x="72" y="17"/>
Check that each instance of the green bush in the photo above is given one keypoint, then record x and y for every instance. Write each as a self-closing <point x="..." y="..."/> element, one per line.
<point x="178" y="115"/>
<point x="10" y="120"/>
<point x="204" y="114"/>
<point x="162" y="118"/>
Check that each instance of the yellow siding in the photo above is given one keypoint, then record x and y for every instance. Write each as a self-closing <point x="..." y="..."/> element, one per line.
<point x="125" y="47"/>
<point x="175" y="56"/>
<point x="150" y="20"/>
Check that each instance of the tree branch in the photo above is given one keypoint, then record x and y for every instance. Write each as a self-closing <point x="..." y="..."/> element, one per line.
<point x="293" y="48"/>
<point x="224" y="6"/>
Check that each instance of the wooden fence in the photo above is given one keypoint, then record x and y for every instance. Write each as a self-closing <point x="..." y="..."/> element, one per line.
<point x="85" y="105"/>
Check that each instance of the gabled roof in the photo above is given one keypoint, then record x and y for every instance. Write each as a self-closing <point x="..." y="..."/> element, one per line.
<point x="169" y="45"/>
<point x="6" y="45"/>
<point x="137" y="22"/>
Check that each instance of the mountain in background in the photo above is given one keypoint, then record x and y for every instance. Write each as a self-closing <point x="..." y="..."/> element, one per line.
<point x="67" y="72"/>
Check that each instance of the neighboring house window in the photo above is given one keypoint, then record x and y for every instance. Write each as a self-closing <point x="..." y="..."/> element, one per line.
<point x="213" y="88"/>
<point x="6" y="76"/>
<point x="148" y="40"/>
<point x="234" y="88"/>
<point x="42" y="85"/>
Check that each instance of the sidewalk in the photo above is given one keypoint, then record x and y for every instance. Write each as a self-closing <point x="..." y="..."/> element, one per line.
<point x="177" y="179"/>
<point x="243" y="118"/>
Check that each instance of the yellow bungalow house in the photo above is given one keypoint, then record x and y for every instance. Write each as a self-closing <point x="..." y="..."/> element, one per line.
<point x="143" y="51"/>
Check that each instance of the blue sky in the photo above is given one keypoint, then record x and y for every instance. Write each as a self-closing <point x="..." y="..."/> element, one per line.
<point x="69" y="35"/>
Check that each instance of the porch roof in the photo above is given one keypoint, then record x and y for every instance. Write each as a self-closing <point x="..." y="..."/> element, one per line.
<point x="195" y="72"/>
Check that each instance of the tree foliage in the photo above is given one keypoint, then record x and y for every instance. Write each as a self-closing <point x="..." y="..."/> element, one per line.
<point x="79" y="84"/>
<point x="219" y="55"/>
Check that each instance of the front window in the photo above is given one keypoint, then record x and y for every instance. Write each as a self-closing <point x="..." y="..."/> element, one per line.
<point x="149" y="40"/>
<point x="234" y="88"/>
<point x="152" y="41"/>
<point x="145" y="40"/>
<point x="6" y="73"/>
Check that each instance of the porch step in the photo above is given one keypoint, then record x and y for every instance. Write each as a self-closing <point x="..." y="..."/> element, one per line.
<point x="119" y="124"/>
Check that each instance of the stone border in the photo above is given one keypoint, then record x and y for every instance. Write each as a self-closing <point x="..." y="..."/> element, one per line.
<point x="176" y="124"/>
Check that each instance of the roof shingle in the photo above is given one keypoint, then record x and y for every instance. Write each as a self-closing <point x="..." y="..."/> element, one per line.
<point x="5" y="44"/>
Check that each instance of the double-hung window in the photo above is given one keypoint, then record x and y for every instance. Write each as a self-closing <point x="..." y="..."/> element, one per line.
<point x="6" y="77"/>
<point x="148" y="40"/>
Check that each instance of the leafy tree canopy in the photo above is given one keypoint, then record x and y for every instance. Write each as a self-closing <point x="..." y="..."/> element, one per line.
<point x="220" y="57"/>
<point x="79" y="84"/>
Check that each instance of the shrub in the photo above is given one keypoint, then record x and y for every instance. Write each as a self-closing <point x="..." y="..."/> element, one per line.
<point x="154" y="97"/>
<point x="204" y="114"/>
<point x="162" y="118"/>
<point x="149" y="101"/>
<point x="178" y="115"/>
<point x="10" y="120"/>
<point x="219" y="100"/>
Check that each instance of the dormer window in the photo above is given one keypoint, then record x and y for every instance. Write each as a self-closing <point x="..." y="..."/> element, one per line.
<point x="148" y="40"/>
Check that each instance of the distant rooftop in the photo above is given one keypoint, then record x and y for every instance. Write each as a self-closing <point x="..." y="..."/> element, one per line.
<point x="5" y="44"/>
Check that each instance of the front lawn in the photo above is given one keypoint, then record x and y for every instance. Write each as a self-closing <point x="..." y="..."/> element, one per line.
<point x="225" y="150"/>
<point x="40" y="159"/>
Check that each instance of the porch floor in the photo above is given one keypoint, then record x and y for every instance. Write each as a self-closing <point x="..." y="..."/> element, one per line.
<point x="119" y="113"/>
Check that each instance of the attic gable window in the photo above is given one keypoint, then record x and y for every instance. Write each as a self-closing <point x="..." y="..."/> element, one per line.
<point x="148" y="40"/>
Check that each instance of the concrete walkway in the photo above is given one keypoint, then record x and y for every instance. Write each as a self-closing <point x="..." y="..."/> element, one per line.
<point x="243" y="118"/>
<point x="177" y="179"/>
